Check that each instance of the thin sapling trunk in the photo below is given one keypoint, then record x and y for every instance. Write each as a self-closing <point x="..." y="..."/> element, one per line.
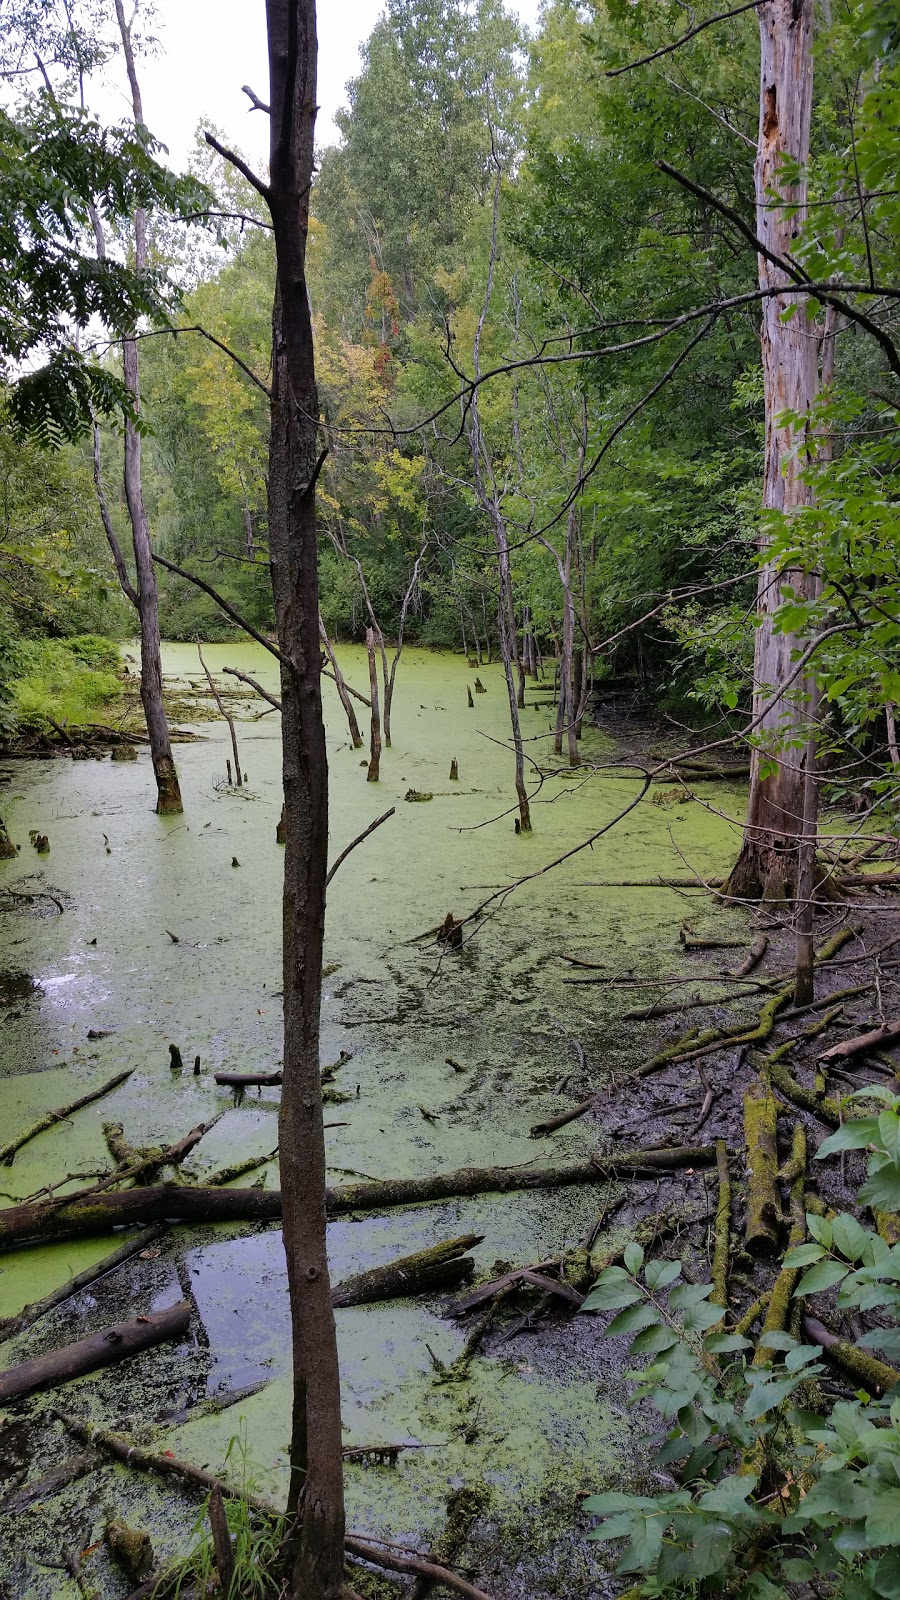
<point x="375" y="731"/>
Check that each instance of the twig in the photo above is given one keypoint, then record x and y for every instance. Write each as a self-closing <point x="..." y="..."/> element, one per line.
<point x="358" y="840"/>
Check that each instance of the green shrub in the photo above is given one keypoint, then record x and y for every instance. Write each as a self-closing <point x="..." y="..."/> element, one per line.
<point x="51" y="680"/>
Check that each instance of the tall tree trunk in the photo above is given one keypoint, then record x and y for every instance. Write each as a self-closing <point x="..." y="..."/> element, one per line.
<point x="768" y="862"/>
<point x="168" y="790"/>
<point x="316" y="1491"/>
<point x="374" y="771"/>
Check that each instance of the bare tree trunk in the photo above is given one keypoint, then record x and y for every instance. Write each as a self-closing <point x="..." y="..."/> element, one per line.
<point x="389" y="680"/>
<point x="379" y="636"/>
<point x="373" y="773"/>
<point x="893" y="751"/>
<point x="316" y="1493"/>
<point x="343" y="695"/>
<point x="768" y="862"/>
<point x="168" y="790"/>
<point x="487" y="491"/>
<point x="226" y="715"/>
<point x="566" y="709"/>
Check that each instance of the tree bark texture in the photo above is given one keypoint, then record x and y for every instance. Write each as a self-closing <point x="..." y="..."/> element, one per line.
<point x="767" y="866"/>
<point x="168" y="791"/>
<point x="316" y="1494"/>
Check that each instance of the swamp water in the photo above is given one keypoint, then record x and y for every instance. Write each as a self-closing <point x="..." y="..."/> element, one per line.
<point x="104" y="986"/>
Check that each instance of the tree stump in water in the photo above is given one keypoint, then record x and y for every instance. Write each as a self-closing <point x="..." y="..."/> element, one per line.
<point x="450" y="933"/>
<point x="454" y="771"/>
<point x="469" y="696"/>
<point x="479" y="687"/>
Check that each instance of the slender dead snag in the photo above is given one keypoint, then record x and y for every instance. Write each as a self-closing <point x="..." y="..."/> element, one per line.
<point x="375" y="734"/>
<point x="316" y="1497"/>
<point x="227" y="716"/>
<point x="122" y="573"/>
<point x="168" y="790"/>
<point x="342" y="688"/>
<point x="389" y="680"/>
<point x="768" y="862"/>
<point x="489" y="497"/>
<point x="893" y="750"/>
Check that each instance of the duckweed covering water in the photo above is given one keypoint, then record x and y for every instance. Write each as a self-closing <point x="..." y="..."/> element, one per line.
<point x="163" y="939"/>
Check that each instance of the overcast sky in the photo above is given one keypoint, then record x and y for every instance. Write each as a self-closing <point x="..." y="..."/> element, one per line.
<point x="209" y="48"/>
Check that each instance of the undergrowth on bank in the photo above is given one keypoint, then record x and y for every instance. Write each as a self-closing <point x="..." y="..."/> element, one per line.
<point x="765" y="1485"/>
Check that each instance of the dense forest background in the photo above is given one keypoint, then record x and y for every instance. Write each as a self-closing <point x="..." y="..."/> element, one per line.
<point x="494" y="199"/>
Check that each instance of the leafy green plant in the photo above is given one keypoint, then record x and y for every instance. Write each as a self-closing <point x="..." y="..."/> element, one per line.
<point x="256" y="1539"/>
<point x="763" y="1488"/>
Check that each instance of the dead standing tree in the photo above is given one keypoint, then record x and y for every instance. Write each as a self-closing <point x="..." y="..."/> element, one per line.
<point x="767" y="866"/>
<point x="488" y="493"/>
<point x="144" y="594"/>
<point x="316" y="1497"/>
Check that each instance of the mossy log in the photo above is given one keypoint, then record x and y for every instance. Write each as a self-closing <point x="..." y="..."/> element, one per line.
<point x="442" y="1266"/>
<point x="92" y="1213"/>
<point x="97" y="1350"/>
<point x="754" y="1310"/>
<point x="763" y="1227"/>
<point x="131" y="1548"/>
<point x="50" y="1118"/>
<point x="722" y="1229"/>
<point x="786" y="1282"/>
<point x="827" y="1110"/>
<point x="875" y="1376"/>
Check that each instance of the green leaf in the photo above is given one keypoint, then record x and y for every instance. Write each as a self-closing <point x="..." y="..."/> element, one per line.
<point x="882" y="1187"/>
<point x="820" y="1228"/>
<point x="688" y="1294"/>
<point x="883" y="1520"/>
<point x="885" y="1579"/>
<point x="801" y="1356"/>
<point x="803" y="1255"/>
<point x="613" y="1289"/>
<point x="646" y="1543"/>
<point x="719" y="1343"/>
<point x="633" y="1257"/>
<point x="632" y="1320"/>
<point x="659" y="1274"/>
<point x="654" y="1340"/>
<point x="889" y="1134"/>
<point x="887" y="1340"/>
<point x="854" y="1135"/>
<point x="731" y="1494"/>
<point x="603" y="1505"/>
<point x="699" y="1317"/>
<point x="823" y="1276"/>
<point x="849" y="1237"/>
<point x="620" y="1527"/>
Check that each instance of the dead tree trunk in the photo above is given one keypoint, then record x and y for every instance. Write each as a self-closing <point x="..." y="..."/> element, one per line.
<point x="489" y="497"/>
<point x="168" y="790"/>
<point x="226" y="715"/>
<point x="343" y="694"/>
<point x="316" y="1497"/>
<point x="373" y="773"/>
<point x="768" y="862"/>
<point x="389" y="680"/>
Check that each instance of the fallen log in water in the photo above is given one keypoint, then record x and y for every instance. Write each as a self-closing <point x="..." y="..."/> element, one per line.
<point x="50" y="1118"/>
<point x="97" y="1350"/>
<point x="248" y="1080"/>
<point x="52" y="1482"/>
<point x="10" y="1326"/>
<point x="95" y="1213"/>
<point x="443" y="1266"/>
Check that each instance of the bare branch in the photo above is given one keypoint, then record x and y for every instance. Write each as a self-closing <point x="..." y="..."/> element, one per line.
<point x="666" y="50"/>
<point x="358" y="840"/>
<point x="273" y="700"/>
<point x="799" y="277"/>
<point x="242" y="167"/>
<point x="226" y="216"/>
<point x="255" y="103"/>
<point x="224" y="605"/>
